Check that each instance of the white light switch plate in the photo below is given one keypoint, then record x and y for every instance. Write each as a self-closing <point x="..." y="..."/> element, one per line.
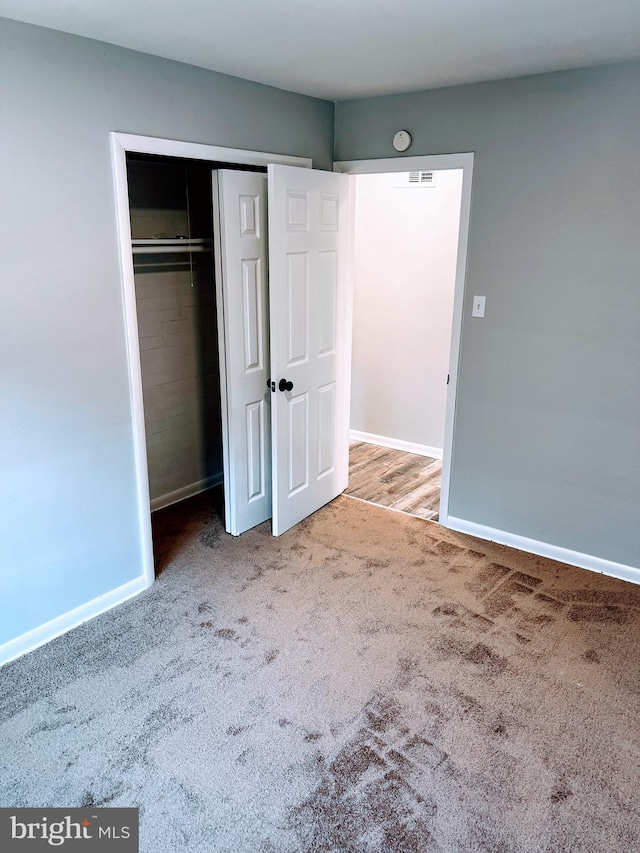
<point x="478" y="306"/>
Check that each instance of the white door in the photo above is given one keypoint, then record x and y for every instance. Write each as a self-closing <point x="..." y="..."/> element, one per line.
<point x="310" y="340"/>
<point x="240" y="215"/>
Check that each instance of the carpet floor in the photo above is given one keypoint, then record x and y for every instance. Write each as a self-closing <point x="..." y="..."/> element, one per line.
<point x="367" y="683"/>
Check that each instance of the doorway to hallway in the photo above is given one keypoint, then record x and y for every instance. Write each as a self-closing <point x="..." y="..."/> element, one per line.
<point x="405" y="256"/>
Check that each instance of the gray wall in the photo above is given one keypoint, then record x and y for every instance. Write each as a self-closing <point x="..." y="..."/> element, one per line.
<point x="68" y="512"/>
<point x="547" y="439"/>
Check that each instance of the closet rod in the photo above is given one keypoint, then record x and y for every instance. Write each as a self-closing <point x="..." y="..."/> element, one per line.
<point x="169" y="241"/>
<point x="173" y="249"/>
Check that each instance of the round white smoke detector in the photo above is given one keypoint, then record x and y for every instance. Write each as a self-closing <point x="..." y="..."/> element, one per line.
<point x="402" y="140"/>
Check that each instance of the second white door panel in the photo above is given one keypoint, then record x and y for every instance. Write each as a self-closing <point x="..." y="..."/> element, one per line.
<point x="308" y="302"/>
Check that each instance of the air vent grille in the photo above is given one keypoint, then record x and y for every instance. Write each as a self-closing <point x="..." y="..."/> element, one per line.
<point x="421" y="178"/>
<point x="416" y="179"/>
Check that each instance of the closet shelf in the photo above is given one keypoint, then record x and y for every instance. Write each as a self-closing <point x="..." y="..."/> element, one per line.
<point x="148" y="247"/>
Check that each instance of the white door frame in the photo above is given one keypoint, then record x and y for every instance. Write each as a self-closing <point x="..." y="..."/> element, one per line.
<point x="434" y="163"/>
<point x="121" y="144"/>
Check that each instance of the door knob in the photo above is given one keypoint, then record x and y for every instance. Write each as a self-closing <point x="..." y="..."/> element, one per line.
<point x="283" y="385"/>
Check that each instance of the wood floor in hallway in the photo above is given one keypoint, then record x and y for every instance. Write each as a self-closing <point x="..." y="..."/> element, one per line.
<point x="395" y="479"/>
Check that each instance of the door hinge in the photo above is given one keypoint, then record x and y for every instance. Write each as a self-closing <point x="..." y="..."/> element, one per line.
<point x="447" y="378"/>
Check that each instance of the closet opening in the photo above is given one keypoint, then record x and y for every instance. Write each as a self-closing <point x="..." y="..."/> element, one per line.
<point x="172" y="244"/>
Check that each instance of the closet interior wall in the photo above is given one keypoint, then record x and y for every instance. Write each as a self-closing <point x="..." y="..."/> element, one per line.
<point x="176" y="308"/>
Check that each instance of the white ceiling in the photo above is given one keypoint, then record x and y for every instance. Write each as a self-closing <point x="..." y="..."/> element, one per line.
<point x="340" y="49"/>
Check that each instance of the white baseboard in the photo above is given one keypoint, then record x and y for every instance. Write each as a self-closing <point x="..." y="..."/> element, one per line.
<point x="61" y="624"/>
<point x="543" y="549"/>
<point x="186" y="492"/>
<point x="396" y="443"/>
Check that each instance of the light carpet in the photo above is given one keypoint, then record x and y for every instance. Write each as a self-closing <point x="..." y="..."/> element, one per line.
<point x="367" y="683"/>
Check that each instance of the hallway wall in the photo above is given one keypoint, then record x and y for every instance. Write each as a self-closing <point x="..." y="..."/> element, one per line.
<point x="405" y="247"/>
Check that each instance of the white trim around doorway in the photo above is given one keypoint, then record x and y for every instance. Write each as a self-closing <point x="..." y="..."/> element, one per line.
<point x="434" y="163"/>
<point x="121" y="144"/>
